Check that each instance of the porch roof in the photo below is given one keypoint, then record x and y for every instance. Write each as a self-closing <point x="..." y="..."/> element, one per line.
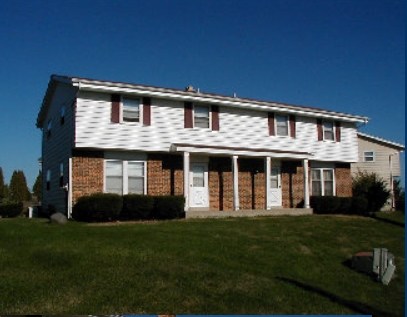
<point x="238" y="151"/>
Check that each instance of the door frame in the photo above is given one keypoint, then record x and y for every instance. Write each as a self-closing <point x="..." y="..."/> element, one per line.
<point x="205" y="188"/>
<point x="279" y="203"/>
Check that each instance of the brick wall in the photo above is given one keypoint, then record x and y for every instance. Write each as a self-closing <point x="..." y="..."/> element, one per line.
<point x="292" y="184"/>
<point x="220" y="183"/>
<point x="343" y="180"/>
<point x="252" y="184"/>
<point x="87" y="174"/>
<point x="165" y="175"/>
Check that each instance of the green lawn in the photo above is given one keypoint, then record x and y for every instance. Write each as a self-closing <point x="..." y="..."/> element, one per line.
<point x="274" y="265"/>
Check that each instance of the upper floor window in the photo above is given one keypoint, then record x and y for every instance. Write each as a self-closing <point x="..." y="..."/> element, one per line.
<point x="322" y="181"/>
<point x="49" y="127"/>
<point x="282" y="125"/>
<point x="131" y="109"/>
<point x="201" y="117"/>
<point x="368" y="156"/>
<point x="63" y="110"/>
<point x="328" y="130"/>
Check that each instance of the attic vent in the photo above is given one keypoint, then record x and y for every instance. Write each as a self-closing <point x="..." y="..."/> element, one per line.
<point x="190" y="88"/>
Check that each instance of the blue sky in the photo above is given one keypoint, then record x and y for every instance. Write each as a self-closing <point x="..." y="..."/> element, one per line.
<point x="341" y="55"/>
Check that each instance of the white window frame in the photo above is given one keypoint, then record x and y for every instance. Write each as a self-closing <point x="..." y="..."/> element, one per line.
<point x="209" y="127"/>
<point x="140" y="109"/>
<point x="321" y="179"/>
<point x="325" y="130"/>
<point x="287" y="124"/>
<point x="372" y="156"/>
<point x="125" y="176"/>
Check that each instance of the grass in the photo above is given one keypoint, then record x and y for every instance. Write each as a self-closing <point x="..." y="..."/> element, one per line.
<point x="276" y="265"/>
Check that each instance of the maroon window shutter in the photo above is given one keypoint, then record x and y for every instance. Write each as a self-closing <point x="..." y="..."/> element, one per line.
<point x="292" y="126"/>
<point x="319" y="128"/>
<point x="215" y="118"/>
<point x="338" y="131"/>
<point x="272" y="130"/>
<point x="147" y="111"/>
<point x="188" y="114"/>
<point x="115" y="115"/>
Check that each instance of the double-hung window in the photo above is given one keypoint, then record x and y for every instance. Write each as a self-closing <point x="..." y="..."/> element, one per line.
<point x="368" y="156"/>
<point x="323" y="183"/>
<point x="131" y="109"/>
<point x="202" y="117"/>
<point x="328" y="130"/>
<point x="125" y="177"/>
<point x="282" y="125"/>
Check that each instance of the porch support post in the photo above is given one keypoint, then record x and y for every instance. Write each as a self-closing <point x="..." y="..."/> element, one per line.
<point x="186" y="180"/>
<point x="306" y="183"/>
<point x="268" y="172"/>
<point x="69" y="196"/>
<point x="235" y="183"/>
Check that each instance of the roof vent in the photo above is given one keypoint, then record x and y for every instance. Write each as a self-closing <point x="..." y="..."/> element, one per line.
<point x="190" y="88"/>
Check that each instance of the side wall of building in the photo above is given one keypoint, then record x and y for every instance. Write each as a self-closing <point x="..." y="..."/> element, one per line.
<point x="57" y="141"/>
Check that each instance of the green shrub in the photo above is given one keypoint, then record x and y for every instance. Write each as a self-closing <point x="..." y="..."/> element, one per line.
<point x="325" y="204"/>
<point x="169" y="207"/>
<point x="137" y="206"/>
<point x="11" y="209"/>
<point x="345" y="205"/>
<point x="359" y="205"/>
<point x="98" y="207"/>
<point x="373" y="188"/>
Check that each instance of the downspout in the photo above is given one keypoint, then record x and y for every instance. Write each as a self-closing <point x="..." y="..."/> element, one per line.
<point x="69" y="185"/>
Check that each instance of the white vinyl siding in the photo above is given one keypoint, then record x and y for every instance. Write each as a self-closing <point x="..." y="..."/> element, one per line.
<point x="125" y="177"/>
<point x="243" y="128"/>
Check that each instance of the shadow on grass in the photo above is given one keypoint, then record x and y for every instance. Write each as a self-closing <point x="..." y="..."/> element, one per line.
<point x="357" y="307"/>
<point x="389" y="221"/>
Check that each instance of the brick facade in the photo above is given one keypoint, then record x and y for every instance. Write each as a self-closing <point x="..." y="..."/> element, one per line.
<point x="165" y="177"/>
<point x="87" y="174"/>
<point x="292" y="184"/>
<point x="343" y="180"/>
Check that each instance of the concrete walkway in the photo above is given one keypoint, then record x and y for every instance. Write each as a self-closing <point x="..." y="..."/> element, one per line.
<point x="248" y="213"/>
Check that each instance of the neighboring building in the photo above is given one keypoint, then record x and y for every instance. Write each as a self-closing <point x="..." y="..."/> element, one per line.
<point x="380" y="156"/>
<point x="220" y="152"/>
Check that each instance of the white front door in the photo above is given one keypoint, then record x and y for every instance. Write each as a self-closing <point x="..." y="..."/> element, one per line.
<point x="274" y="191"/>
<point x="199" y="185"/>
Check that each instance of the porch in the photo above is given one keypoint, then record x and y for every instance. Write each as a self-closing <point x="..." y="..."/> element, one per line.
<point x="274" y="211"/>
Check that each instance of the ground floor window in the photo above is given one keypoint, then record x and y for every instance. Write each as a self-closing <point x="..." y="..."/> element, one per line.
<point x="323" y="183"/>
<point x="125" y="177"/>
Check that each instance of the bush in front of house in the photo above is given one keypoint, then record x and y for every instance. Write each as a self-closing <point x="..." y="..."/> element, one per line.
<point x="339" y="205"/>
<point x="11" y="209"/>
<point x="359" y="205"/>
<point x="373" y="188"/>
<point x="137" y="206"/>
<point x="98" y="207"/>
<point x="169" y="207"/>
